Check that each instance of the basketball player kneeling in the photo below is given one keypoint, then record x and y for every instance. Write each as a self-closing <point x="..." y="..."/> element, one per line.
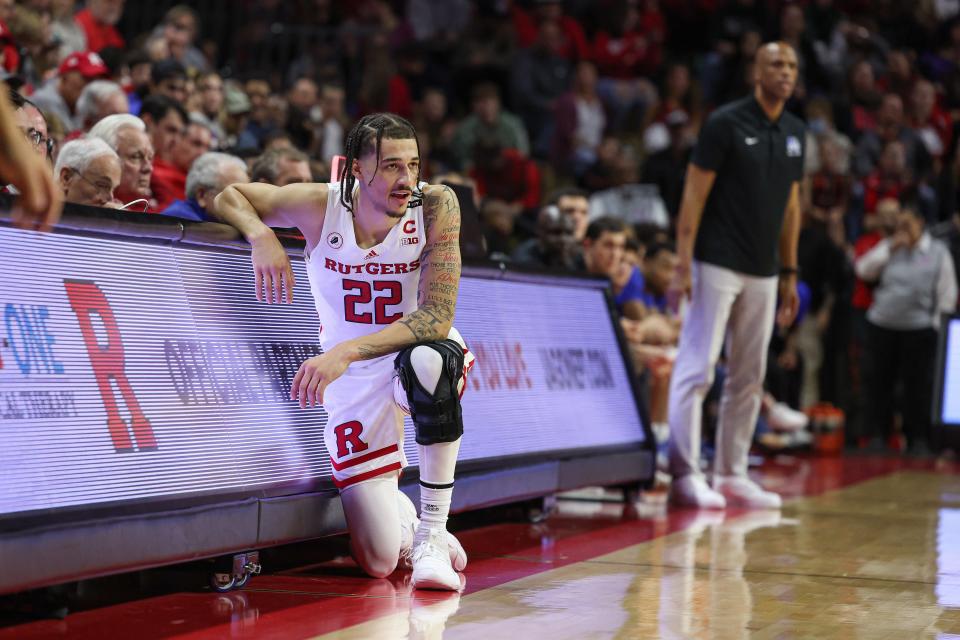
<point x="383" y="260"/>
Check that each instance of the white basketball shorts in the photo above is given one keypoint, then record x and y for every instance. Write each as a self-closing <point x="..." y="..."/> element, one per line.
<point x="365" y="408"/>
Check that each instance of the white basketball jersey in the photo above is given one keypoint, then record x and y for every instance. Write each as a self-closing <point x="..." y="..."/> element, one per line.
<point x="360" y="291"/>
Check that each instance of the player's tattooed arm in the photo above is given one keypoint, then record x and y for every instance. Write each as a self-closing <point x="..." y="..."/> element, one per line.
<point x="440" y="266"/>
<point x="439" y="281"/>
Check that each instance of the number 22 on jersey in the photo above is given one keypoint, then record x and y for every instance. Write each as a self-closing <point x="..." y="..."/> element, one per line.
<point x="359" y="292"/>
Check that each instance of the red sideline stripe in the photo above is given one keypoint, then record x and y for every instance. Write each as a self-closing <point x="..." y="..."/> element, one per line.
<point x="366" y="475"/>
<point x="379" y="453"/>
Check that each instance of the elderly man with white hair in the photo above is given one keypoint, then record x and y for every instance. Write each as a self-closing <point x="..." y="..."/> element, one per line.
<point x="210" y="174"/>
<point x="127" y="135"/>
<point x="99" y="99"/>
<point x="88" y="171"/>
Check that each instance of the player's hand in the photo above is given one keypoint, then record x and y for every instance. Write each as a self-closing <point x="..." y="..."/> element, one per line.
<point x="271" y="266"/>
<point x="315" y="374"/>
<point x="41" y="200"/>
<point x="679" y="287"/>
<point x="789" y="302"/>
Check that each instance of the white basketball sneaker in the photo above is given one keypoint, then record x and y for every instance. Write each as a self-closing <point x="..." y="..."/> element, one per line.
<point x="408" y="529"/>
<point x="741" y="491"/>
<point x="692" y="490"/>
<point x="431" y="564"/>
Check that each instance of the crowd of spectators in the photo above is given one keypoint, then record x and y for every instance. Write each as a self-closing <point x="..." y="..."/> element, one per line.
<point x="572" y="121"/>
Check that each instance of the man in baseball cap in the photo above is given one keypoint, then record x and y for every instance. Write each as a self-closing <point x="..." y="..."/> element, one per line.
<point x="59" y="96"/>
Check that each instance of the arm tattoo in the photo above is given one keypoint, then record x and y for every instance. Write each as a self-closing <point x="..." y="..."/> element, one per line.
<point x="439" y="280"/>
<point x="440" y="270"/>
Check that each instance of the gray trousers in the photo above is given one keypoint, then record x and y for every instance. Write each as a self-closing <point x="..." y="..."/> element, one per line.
<point x="740" y="308"/>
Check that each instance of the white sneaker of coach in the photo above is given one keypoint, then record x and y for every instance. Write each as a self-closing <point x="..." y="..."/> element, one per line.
<point x="692" y="490"/>
<point x="408" y="529"/>
<point x="781" y="417"/>
<point x="741" y="491"/>
<point x="431" y="564"/>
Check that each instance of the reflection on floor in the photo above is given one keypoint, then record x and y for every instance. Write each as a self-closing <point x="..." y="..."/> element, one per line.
<point x="864" y="548"/>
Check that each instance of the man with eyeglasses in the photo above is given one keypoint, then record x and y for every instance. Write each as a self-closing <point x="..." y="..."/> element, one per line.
<point x="31" y="122"/>
<point x="40" y="202"/>
<point x="88" y="172"/>
<point x="127" y="135"/>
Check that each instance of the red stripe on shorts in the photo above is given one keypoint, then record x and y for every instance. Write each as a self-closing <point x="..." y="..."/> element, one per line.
<point x="379" y="453"/>
<point x="366" y="475"/>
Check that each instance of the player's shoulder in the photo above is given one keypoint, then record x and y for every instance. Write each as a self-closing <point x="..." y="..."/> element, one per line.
<point x="302" y="205"/>
<point x="320" y="190"/>
<point x="435" y="192"/>
<point x="312" y="193"/>
<point x="438" y="198"/>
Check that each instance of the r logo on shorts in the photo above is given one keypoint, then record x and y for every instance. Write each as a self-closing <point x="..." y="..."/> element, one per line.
<point x="349" y="433"/>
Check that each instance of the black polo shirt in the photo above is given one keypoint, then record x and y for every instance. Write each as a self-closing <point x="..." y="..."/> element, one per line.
<point x="756" y="162"/>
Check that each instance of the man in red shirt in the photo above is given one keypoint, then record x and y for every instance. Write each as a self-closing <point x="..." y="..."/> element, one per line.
<point x="166" y="122"/>
<point x="196" y="141"/>
<point x="98" y="22"/>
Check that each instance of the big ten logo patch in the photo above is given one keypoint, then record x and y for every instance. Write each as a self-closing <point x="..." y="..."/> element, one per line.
<point x="410" y="228"/>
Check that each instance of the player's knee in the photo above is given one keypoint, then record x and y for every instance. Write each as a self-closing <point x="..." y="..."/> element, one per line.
<point x="379" y="567"/>
<point x="428" y="366"/>
<point x="378" y="561"/>
<point x="430" y="375"/>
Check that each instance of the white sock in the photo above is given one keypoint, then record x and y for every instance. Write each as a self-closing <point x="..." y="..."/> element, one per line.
<point x="434" y="508"/>
<point x="437" y="461"/>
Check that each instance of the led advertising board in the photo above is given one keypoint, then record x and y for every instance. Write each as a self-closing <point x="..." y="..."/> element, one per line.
<point x="949" y="401"/>
<point x="133" y="371"/>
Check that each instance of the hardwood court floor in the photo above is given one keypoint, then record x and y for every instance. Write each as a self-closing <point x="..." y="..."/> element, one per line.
<point x="864" y="548"/>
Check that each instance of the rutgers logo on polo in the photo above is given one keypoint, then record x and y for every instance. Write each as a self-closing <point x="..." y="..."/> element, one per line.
<point x="335" y="240"/>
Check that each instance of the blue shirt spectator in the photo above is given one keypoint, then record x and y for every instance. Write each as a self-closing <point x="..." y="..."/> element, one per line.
<point x="188" y="209"/>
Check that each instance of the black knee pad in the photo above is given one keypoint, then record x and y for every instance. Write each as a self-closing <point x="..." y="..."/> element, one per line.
<point x="437" y="416"/>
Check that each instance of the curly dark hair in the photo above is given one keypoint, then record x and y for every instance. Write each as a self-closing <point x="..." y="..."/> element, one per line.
<point x="364" y="137"/>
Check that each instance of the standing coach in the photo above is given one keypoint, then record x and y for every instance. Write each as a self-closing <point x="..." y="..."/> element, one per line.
<point x="736" y="240"/>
